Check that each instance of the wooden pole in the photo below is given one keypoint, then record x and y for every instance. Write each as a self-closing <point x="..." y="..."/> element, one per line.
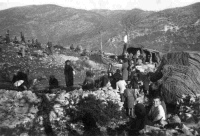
<point x="101" y="42"/>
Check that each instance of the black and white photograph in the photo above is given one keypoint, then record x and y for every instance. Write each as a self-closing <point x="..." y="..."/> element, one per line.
<point x="99" y="67"/>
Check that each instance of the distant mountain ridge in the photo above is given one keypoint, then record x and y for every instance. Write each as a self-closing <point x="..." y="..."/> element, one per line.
<point x="68" y="26"/>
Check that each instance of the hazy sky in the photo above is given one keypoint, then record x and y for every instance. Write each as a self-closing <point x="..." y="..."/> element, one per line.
<point x="102" y="4"/>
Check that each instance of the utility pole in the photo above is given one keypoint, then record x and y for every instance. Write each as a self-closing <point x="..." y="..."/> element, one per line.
<point x="101" y="42"/>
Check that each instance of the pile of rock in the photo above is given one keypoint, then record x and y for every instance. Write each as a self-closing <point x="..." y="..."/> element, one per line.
<point x="17" y="107"/>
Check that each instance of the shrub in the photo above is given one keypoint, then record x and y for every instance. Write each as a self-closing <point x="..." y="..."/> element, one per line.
<point x="72" y="47"/>
<point x="62" y="112"/>
<point x="101" y="111"/>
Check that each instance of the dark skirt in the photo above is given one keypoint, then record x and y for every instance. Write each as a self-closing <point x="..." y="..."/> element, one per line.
<point x="130" y="102"/>
<point x="69" y="80"/>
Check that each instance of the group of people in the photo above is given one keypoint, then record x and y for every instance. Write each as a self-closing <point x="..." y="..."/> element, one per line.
<point x="132" y="83"/>
<point x="22" y="82"/>
<point x="24" y="45"/>
<point x="22" y="40"/>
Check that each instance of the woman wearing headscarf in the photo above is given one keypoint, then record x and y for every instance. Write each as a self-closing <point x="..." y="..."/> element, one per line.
<point x="69" y="75"/>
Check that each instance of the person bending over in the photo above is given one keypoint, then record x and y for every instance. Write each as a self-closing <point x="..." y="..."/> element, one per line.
<point x="89" y="83"/>
<point x="53" y="82"/>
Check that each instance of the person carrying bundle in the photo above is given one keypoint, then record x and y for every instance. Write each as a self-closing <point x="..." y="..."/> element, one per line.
<point x="20" y="79"/>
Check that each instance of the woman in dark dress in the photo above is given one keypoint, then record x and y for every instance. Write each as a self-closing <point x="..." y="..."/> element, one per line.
<point x="69" y="76"/>
<point x="134" y="80"/>
<point x="125" y="70"/>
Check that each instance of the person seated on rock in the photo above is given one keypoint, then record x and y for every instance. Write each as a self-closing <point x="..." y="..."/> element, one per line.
<point x="20" y="79"/>
<point x="140" y="113"/>
<point x="22" y="50"/>
<point x="104" y="79"/>
<point x="28" y="43"/>
<point x="53" y="82"/>
<point x="89" y="83"/>
<point x="116" y="77"/>
<point x="37" y="44"/>
<point x="15" y="40"/>
<point x="157" y="112"/>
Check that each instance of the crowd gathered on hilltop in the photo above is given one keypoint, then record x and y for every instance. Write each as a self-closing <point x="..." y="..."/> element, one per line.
<point x="131" y="82"/>
<point x="24" y="45"/>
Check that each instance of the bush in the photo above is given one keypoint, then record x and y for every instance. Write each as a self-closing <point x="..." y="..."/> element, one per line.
<point x="72" y="47"/>
<point x="102" y="112"/>
<point x="27" y="112"/>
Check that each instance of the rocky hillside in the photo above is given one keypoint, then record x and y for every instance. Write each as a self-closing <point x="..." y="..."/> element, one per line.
<point x="57" y="24"/>
<point x="170" y="30"/>
<point x="68" y="26"/>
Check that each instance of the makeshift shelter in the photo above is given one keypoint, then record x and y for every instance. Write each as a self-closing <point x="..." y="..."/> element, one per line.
<point x="156" y="55"/>
<point x="180" y="75"/>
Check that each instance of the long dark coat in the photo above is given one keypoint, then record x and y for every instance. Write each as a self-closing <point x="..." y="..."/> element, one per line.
<point x="125" y="71"/>
<point x="69" y="77"/>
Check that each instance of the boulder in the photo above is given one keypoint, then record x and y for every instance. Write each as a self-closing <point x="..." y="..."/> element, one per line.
<point x="186" y="130"/>
<point x="174" y="119"/>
